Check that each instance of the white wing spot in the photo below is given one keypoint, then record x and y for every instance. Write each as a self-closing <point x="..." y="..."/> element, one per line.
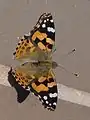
<point x="28" y="88"/>
<point x="46" y="102"/>
<point x="43" y="25"/>
<point x="39" y="96"/>
<point x="54" y="103"/>
<point x="45" y="21"/>
<point x="51" y="21"/>
<point x="45" y="97"/>
<point x="50" y="104"/>
<point x="50" y="29"/>
<point x="50" y="95"/>
<point x="24" y="87"/>
<point x="53" y="95"/>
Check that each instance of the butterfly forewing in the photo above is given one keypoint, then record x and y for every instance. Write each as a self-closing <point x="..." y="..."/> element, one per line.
<point x="40" y="42"/>
<point x="43" y="34"/>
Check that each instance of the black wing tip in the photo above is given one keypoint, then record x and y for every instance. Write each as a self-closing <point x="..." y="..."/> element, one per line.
<point x="45" y="15"/>
<point x="40" y="97"/>
<point x="49" y="102"/>
<point x="50" y="108"/>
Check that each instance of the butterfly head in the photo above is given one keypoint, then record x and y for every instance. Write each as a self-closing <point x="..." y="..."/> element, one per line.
<point x="54" y="64"/>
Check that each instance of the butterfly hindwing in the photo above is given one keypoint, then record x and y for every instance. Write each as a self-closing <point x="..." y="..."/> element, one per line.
<point x="46" y="90"/>
<point x="22" y="93"/>
<point x="39" y="79"/>
<point x="20" y="78"/>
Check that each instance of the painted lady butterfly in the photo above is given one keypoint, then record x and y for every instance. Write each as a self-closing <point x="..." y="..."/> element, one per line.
<point x="36" y="76"/>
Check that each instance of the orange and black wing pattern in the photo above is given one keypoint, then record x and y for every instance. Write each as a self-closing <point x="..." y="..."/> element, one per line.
<point x="17" y="81"/>
<point x="45" y="88"/>
<point x="38" y="45"/>
<point x="39" y="42"/>
<point x="43" y="34"/>
<point x="42" y="84"/>
<point x="24" y="49"/>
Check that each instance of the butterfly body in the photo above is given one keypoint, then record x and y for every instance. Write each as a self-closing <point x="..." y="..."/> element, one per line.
<point x="43" y="65"/>
<point x="36" y="76"/>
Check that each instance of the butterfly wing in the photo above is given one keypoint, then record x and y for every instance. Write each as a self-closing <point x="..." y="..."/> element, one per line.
<point x="20" y="81"/>
<point x="21" y="77"/>
<point x="21" y="92"/>
<point x="45" y="88"/>
<point x="42" y="83"/>
<point x="38" y="45"/>
<point x="40" y="42"/>
<point x="43" y="34"/>
<point x="25" y="49"/>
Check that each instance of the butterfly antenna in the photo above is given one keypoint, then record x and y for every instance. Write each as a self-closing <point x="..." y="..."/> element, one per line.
<point x="69" y="53"/>
<point x="62" y="67"/>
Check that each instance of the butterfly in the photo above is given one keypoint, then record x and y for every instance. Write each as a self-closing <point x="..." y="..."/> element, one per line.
<point x="36" y="74"/>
